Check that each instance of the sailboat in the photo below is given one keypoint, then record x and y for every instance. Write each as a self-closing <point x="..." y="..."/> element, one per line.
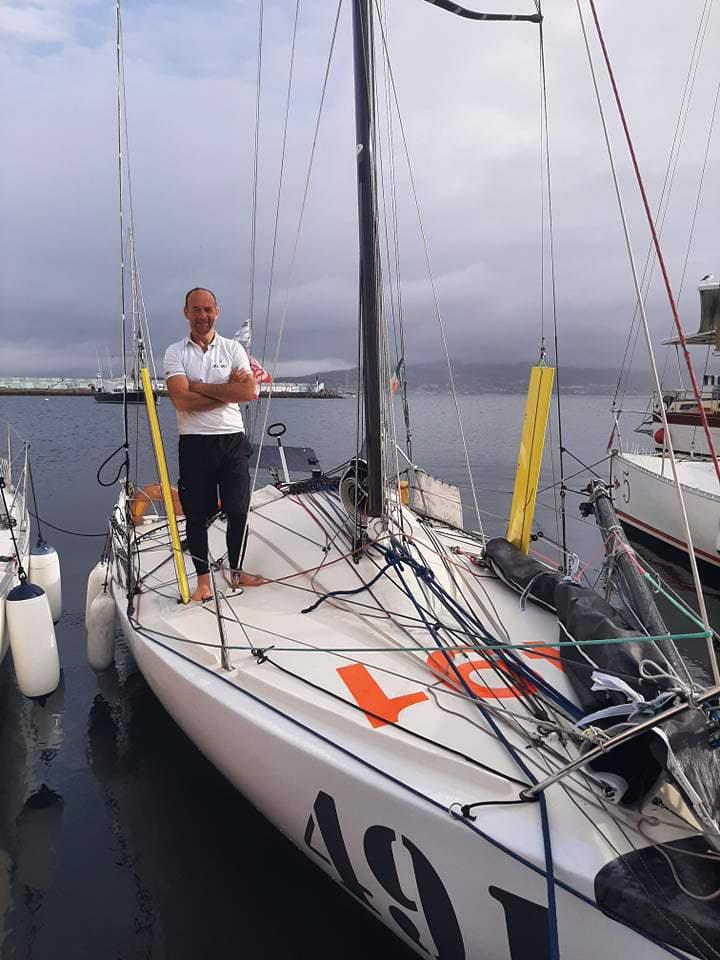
<point x="14" y="525"/>
<point x="682" y="423"/>
<point x="494" y="760"/>
<point x="128" y="388"/>
<point x="645" y="485"/>
<point x="30" y="580"/>
<point x="122" y="391"/>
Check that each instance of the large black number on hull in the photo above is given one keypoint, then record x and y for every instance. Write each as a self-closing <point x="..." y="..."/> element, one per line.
<point x="527" y="926"/>
<point x="329" y="825"/>
<point x="436" y="904"/>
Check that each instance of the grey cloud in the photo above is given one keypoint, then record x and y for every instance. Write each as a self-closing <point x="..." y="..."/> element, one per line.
<point x="470" y="106"/>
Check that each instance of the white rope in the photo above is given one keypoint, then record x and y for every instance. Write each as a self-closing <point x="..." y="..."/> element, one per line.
<point x="281" y="177"/>
<point x="121" y="212"/>
<point x="391" y="451"/>
<point x="438" y="315"/>
<point x="667" y="188"/>
<point x="291" y="271"/>
<point x="256" y="150"/>
<point x="661" y="850"/>
<point x="651" y="353"/>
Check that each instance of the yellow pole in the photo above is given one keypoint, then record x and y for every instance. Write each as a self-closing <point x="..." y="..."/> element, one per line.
<point x="532" y="442"/>
<point x="165" y="483"/>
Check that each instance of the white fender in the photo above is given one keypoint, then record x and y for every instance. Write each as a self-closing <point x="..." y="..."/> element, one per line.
<point x="45" y="572"/>
<point x="32" y="640"/>
<point x="96" y="580"/>
<point x="100" y="625"/>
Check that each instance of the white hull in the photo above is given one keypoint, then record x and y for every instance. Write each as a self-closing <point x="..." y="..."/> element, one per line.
<point x="8" y="568"/>
<point x="375" y="805"/>
<point x="687" y="438"/>
<point x="646" y="499"/>
<point x="479" y="898"/>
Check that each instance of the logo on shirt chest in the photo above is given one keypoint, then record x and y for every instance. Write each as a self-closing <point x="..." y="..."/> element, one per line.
<point x="221" y="364"/>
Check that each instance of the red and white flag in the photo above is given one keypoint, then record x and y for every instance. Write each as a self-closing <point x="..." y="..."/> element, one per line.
<point x="260" y="373"/>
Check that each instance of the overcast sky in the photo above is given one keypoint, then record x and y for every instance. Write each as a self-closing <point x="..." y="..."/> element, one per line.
<point x="470" y="106"/>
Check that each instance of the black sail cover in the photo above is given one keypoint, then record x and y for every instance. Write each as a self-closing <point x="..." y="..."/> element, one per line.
<point x="680" y="753"/>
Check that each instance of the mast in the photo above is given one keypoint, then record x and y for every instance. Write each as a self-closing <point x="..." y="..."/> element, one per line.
<point x="370" y="278"/>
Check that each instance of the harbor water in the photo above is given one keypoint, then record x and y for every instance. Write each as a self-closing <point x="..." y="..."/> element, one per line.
<point x="118" y="839"/>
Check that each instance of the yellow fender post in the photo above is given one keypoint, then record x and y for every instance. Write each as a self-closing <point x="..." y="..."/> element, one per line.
<point x="165" y="486"/>
<point x="532" y="443"/>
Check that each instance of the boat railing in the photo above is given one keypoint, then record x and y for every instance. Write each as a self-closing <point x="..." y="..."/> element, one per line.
<point x="709" y="394"/>
<point x="15" y="469"/>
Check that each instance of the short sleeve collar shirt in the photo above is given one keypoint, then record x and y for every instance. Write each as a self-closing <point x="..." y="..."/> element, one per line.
<point x="186" y="358"/>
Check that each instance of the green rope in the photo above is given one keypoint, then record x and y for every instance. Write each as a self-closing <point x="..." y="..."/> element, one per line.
<point x="683" y="608"/>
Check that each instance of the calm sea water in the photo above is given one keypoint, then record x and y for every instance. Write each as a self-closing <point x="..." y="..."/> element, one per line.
<point x="117" y="838"/>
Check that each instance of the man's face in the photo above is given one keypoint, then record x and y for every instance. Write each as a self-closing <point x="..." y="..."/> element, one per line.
<point x="201" y="312"/>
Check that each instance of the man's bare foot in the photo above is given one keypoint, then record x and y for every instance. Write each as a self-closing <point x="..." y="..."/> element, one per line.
<point x="239" y="578"/>
<point x="203" y="590"/>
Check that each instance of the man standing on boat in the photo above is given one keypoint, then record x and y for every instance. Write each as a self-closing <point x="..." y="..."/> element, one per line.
<point x="207" y="377"/>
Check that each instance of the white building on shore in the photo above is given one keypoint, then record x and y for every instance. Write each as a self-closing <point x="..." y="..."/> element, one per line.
<point x="83" y="385"/>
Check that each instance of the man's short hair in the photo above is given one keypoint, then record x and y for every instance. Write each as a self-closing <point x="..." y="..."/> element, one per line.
<point x="197" y="290"/>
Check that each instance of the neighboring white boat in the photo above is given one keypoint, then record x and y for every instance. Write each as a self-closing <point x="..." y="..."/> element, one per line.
<point x="396" y="699"/>
<point x="30" y="583"/>
<point x="646" y="499"/>
<point x="17" y="524"/>
<point x="682" y="409"/>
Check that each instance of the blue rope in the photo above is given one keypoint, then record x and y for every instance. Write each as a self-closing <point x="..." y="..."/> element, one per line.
<point x="553" y="938"/>
<point x="398" y="556"/>
<point x="472" y="624"/>
<point x="347" y="593"/>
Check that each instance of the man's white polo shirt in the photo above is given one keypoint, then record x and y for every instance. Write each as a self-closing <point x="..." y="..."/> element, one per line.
<point x="186" y="358"/>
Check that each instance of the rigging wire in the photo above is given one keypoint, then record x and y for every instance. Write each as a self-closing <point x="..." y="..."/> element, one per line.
<point x="655" y="239"/>
<point x="9" y="519"/>
<point x="543" y="351"/>
<point x="392" y="250"/>
<point x="281" y="181"/>
<point x="70" y="533"/>
<point x="256" y="151"/>
<point x="125" y="447"/>
<point x="548" y="172"/>
<point x="646" y="329"/>
<point x="694" y="219"/>
<point x="701" y="184"/>
<point x="41" y="539"/>
<point x="293" y="258"/>
<point x="664" y="202"/>
<point x="121" y="191"/>
<point x="426" y="249"/>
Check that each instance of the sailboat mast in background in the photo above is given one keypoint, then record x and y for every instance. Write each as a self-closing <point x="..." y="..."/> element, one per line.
<point x="370" y="278"/>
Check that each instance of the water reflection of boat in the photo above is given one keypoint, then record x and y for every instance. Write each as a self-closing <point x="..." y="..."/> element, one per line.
<point x="175" y="818"/>
<point x="31" y="810"/>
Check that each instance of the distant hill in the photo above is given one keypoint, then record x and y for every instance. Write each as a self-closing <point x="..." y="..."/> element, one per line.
<point x="475" y="378"/>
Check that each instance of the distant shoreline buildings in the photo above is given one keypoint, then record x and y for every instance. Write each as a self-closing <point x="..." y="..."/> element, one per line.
<point x="85" y="386"/>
